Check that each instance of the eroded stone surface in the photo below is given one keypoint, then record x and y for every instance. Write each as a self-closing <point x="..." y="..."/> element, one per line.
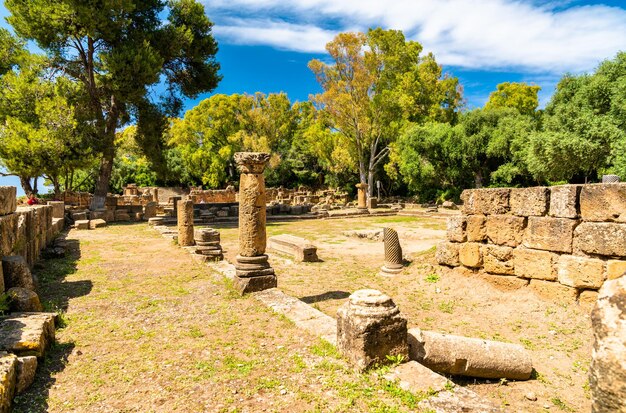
<point x="603" y="238"/>
<point x="8" y="377"/>
<point x="603" y="202"/>
<point x="488" y="201"/>
<point x="456" y="229"/>
<point x="564" y="201"/>
<point x="475" y="228"/>
<point x="615" y="269"/>
<point x="498" y="260"/>
<point x="185" y="222"/>
<point x="26" y="369"/>
<point x="608" y="366"/>
<point x="97" y="223"/>
<point x="393" y="252"/>
<point x="550" y="234"/>
<point x="23" y="300"/>
<point x="553" y="291"/>
<point x="370" y="328"/>
<point x="8" y="203"/>
<point x="527" y="202"/>
<point x="17" y="273"/>
<point x="27" y="334"/>
<point x="83" y="224"/>
<point x="505" y="230"/>
<point x="301" y="249"/>
<point x="448" y="254"/>
<point x="470" y="255"/>
<point x="580" y="272"/>
<point x="535" y="264"/>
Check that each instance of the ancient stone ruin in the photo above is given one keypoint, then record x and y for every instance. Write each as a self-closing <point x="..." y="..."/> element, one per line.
<point x="393" y="252"/>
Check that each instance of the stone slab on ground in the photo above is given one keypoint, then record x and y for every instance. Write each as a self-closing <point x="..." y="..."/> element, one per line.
<point x="8" y="377"/>
<point x="26" y="369"/>
<point x="81" y="224"/>
<point x="97" y="223"/>
<point x="303" y="315"/>
<point x="418" y="379"/>
<point x="27" y="334"/>
<point x="301" y="249"/>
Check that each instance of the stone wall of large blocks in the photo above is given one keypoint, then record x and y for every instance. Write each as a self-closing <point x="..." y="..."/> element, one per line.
<point x="572" y="237"/>
<point x="25" y="231"/>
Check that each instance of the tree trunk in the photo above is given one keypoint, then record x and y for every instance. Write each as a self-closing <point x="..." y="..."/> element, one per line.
<point x="478" y="179"/>
<point x="104" y="178"/>
<point x="370" y="183"/>
<point x="26" y="186"/>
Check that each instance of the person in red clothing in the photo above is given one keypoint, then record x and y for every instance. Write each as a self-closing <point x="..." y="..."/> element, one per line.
<point x="32" y="200"/>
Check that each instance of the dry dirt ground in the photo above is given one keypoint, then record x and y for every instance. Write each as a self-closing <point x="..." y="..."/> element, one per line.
<point x="146" y="329"/>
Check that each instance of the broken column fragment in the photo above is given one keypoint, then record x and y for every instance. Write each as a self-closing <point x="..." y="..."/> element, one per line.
<point x="253" y="272"/>
<point x="393" y="252"/>
<point x="361" y="196"/>
<point x="185" y="223"/>
<point x="370" y="328"/>
<point x="608" y="365"/>
<point x="449" y="354"/>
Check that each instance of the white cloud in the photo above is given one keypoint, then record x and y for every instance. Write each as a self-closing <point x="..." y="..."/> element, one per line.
<point x="472" y="34"/>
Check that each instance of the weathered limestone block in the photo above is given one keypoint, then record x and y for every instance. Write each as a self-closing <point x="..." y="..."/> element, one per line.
<point x="79" y="216"/>
<point x="26" y="369"/>
<point x="503" y="282"/>
<point x="602" y="238"/>
<point x="370" y="328"/>
<point x="607" y="376"/>
<point x="449" y="354"/>
<point x="448" y="254"/>
<point x="564" y="201"/>
<point x="8" y="233"/>
<point x="553" y="291"/>
<point x="185" y="223"/>
<point x="488" y="201"/>
<point x="156" y="221"/>
<point x="505" y="230"/>
<point x="301" y="249"/>
<point x="587" y="298"/>
<point x="150" y="210"/>
<point x="8" y="378"/>
<point x="580" y="272"/>
<point x="550" y="234"/>
<point x="535" y="264"/>
<point x="98" y="214"/>
<point x="362" y="195"/>
<point x="498" y="260"/>
<point x="8" y="203"/>
<point x="456" y="228"/>
<point x="81" y="224"/>
<point x="527" y="202"/>
<point x="27" y="334"/>
<point x="97" y="223"/>
<point x="603" y="202"/>
<point x="615" y="269"/>
<point x="17" y="273"/>
<point x="23" y="300"/>
<point x="202" y="235"/>
<point x="393" y="253"/>
<point x="58" y="209"/>
<point x="475" y="228"/>
<point x="470" y="255"/>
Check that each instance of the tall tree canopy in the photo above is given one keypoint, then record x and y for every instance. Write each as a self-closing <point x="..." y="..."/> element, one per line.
<point x="520" y="96"/>
<point x="377" y="83"/>
<point x="117" y="50"/>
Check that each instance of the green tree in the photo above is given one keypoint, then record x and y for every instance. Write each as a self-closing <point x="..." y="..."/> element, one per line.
<point x="117" y="50"/>
<point x="520" y="96"/>
<point x="377" y="84"/>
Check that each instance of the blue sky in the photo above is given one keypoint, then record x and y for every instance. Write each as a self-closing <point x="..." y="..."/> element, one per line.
<point x="265" y="44"/>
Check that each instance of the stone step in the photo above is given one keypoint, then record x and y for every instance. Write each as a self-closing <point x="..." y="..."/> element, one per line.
<point x="27" y="334"/>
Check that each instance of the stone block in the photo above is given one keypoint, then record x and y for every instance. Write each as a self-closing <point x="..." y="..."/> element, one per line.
<point x="370" y="328"/>
<point x="26" y="368"/>
<point x="601" y="238"/>
<point x="79" y="216"/>
<point x="503" y="282"/>
<point x="58" y="209"/>
<point x="81" y="224"/>
<point x="8" y="379"/>
<point x="8" y="203"/>
<point x="301" y="249"/>
<point x="615" y="269"/>
<point x="98" y="214"/>
<point x="535" y="264"/>
<point x="470" y="255"/>
<point x="27" y="334"/>
<point x="488" y="201"/>
<point x="498" y="260"/>
<point x="603" y="202"/>
<point x="16" y="273"/>
<point x="505" y="230"/>
<point x="564" y="201"/>
<point x="475" y="228"/>
<point x="97" y="223"/>
<point x="456" y="229"/>
<point x="580" y="272"/>
<point x="550" y="234"/>
<point x="587" y="298"/>
<point x="607" y="373"/>
<point x="448" y="254"/>
<point x="527" y="202"/>
<point x="553" y="291"/>
<point x="8" y="233"/>
<point x="23" y="300"/>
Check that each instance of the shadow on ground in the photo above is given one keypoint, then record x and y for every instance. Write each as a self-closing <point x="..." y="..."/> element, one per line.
<point x="329" y="295"/>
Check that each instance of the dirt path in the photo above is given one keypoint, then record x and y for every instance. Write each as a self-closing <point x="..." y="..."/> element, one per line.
<point x="148" y="330"/>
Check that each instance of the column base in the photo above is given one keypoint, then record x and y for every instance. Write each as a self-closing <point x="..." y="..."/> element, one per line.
<point x="389" y="269"/>
<point x="246" y="285"/>
<point x="253" y="274"/>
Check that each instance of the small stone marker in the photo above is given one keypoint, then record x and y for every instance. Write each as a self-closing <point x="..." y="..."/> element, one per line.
<point x="301" y="249"/>
<point x="253" y="272"/>
<point x="449" y="354"/>
<point x="370" y="328"/>
<point x="393" y="252"/>
<point x="81" y="224"/>
<point x="608" y="365"/>
<point x="185" y="223"/>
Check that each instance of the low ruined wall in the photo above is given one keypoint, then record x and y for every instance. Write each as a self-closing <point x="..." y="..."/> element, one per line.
<point x="25" y="231"/>
<point x="564" y="240"/>
<point x="78" y="199"/>
<point x="214" y="196"/>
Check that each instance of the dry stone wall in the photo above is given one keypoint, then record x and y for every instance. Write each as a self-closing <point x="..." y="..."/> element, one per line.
<point x="566" y="239"/>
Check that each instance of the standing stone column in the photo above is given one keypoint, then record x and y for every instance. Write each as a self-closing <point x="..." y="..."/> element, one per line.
<point x="608" y="365"/>
<point x="253" y="272"/>
<point x="362" y="196"/>
<point x="155" y="194"/>
<point x="393" y="252"/>
<point x="185" y="223"/>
